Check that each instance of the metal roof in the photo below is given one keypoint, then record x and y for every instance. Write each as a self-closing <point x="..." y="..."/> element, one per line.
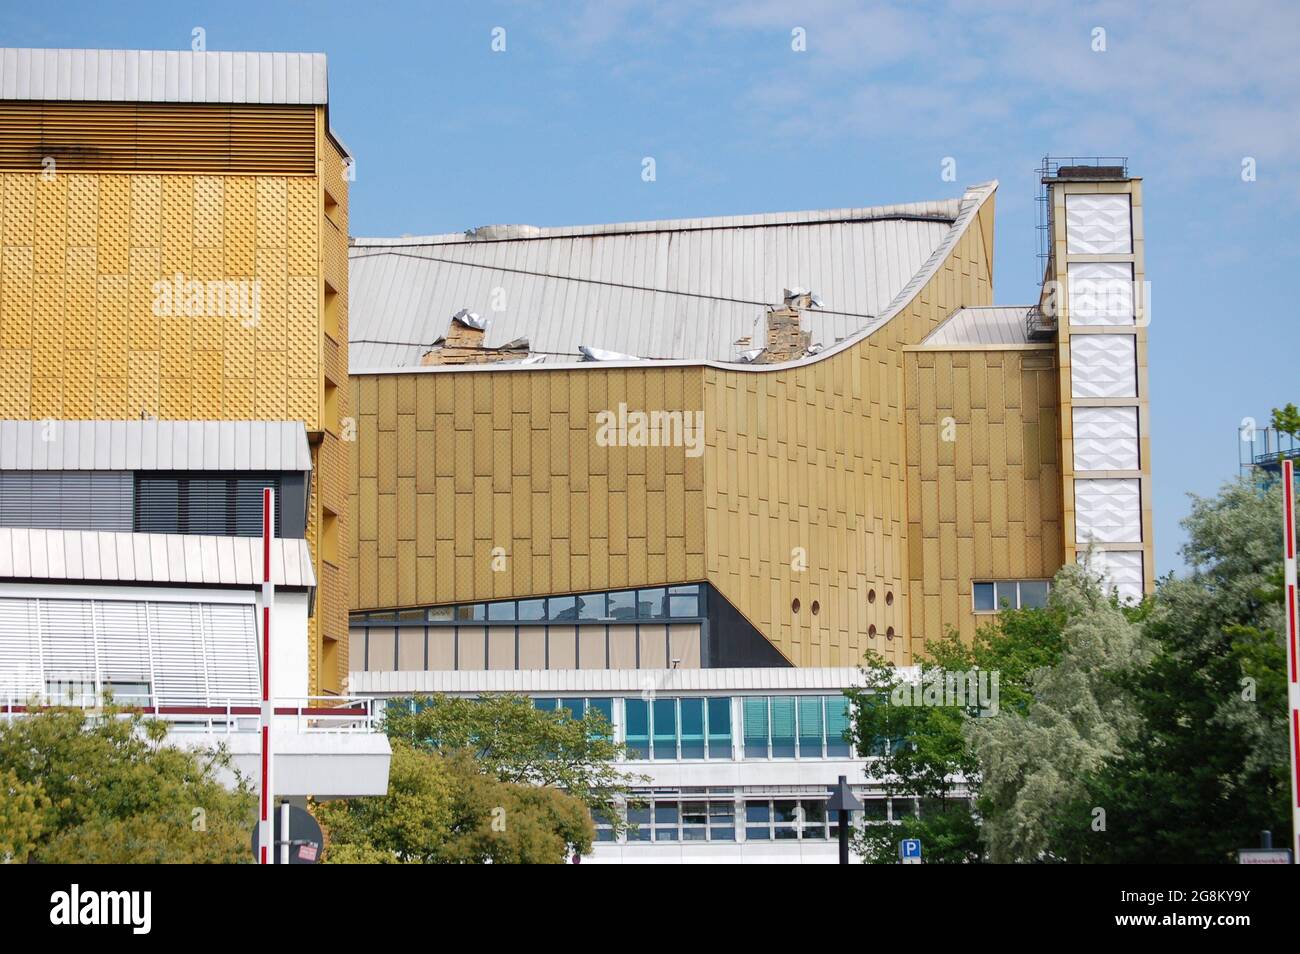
<point x="154" y="445"/>
<point x="677" y="289"/>
<point x="116" y="557"/>
<point x="163" y="76"/>
<point x="985" y="325"/>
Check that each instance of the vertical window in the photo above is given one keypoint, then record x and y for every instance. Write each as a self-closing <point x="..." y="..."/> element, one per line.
<point x="652" y="604"/>
<point x="330" y="417"/>
<point x="837" y="727"/>
<point x="695" y="821"/>
<point x="758" y="821"/>
<point x="720" y="728"/>
<point x="622" y="605"/>
<point x="665" y="728"/>
<point x="683" y="601"/>
<point x="577" y="708"/>
<point x="984" y="598"/>
<point x="639" y="824"/>
<point x="604" y="706"/>
<point x="756" y="727"/>
<point x="814" y="819"/>
<point x="666" y="817"/>
<point x="783" y="722"/>
<point x="810" y="727"/>
<point x="1006" y="594"/>
<point x="692" y="728"/>
<point x="1033" y="594"/>
<point x="636" y="714"/>
<point x="784" y="818"/>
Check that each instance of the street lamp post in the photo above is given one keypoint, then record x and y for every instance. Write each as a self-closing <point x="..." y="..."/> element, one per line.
<point x="843" y="800"/>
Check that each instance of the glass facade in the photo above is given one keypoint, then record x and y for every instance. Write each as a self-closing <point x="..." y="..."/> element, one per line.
<point x="787" y="727"/>
<point x="993" y="595"/>
<point x="678" y="728"/>
<point x="654" y="628"/>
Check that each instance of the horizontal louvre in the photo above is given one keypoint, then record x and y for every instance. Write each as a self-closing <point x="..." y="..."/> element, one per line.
<point x="150" y="137"/>
<point x="221" y="505"/>
<point x="66" y="500"/>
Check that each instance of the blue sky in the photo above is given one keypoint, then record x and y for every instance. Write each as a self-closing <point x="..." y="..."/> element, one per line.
<point x="450" y="135"/>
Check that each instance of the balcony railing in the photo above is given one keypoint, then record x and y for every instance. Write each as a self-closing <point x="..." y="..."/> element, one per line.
<point x="306" y="714"/>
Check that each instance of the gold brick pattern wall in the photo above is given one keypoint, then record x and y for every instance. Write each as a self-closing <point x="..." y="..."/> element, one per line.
<point x="452" y="465"/>
<point x="985" y="504"/>
<point x="805" y="481"/>
<point x="81" y="255"/>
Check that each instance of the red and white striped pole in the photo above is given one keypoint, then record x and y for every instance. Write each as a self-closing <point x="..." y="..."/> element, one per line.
<point x="1293" y="686"/>
<point x="266" y="829"/>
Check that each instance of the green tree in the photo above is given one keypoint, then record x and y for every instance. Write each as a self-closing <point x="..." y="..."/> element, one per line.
<point x="108" y="789"/>
<point x="1206" y="768"/>
<point x="444" y="809"/>
<point x="1034" y="757"/>
<point x="514" y="741"/>
<point x="921" y="750"/>
<point x="1287" y="420"/>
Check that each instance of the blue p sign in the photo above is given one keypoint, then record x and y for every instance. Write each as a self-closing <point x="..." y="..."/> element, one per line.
<point x="909" y="850"/>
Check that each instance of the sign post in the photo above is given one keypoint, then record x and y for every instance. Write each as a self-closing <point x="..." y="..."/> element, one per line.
<point x="1293" y="685"/>
<point x="266" y="853"/>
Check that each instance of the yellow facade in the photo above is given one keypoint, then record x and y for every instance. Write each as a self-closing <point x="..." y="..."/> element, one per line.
<point x="798" y="495"/>
<point x="83" y="334"/>
<point x="983" y="476"/>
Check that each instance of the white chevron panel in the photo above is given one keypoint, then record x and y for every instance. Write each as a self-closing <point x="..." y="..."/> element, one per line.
<point x="1105" y="438"/>
<point x="1103" y="366"/>
<point x="1120" y="569"/>
<point x="1101" y="293"/>
<point x="1098" y="224"/>
<point x="1107" y="510"/>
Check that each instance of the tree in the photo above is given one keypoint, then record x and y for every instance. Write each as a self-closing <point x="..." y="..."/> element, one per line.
<point x="514" y="741"/>
<point x="1206" y="768"/>
<point x="443" y="809"/>
<point x="1287" y="420"/>
<point x="922" y="750"/>
<point x="108" y="789"/>
<point x="1035" y="758"/>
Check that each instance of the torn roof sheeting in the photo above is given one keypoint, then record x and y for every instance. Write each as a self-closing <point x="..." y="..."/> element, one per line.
<point x="676" y="289"/>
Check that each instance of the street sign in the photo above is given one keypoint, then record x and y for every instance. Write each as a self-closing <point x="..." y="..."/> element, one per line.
<point x="304" y="837"/>
<point x="1263" y="856"/>
<point x="909" y="851"/>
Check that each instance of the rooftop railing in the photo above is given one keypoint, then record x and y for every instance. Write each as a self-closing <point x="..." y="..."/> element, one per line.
<point x="307" y="714"/>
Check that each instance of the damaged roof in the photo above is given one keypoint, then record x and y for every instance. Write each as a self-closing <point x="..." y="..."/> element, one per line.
<point x="682" y="289"/>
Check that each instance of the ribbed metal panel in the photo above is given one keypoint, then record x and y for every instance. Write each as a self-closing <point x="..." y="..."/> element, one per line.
<point x="163" y="76"/>
<point x="981" y="326"/>
<point x="68" y="650"/>
<point x="154" y="445"/>
<point x="123" y="643"/>
<point x="85" y="500"/>
<point x="98" y="556"/>
<point x="213" y="505"/>
<point x="673" y="289"/>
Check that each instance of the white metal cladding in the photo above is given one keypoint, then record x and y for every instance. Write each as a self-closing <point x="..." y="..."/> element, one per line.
<point x="984" y="325"/>
<point x="679" y="289"/>
<point x="90" y="555"/>
<point x="1105" y="438"/>
<point x="189" y="653"/>
<point x="163" y="76"/>
<point x="154" y="445"/>
<point x="1098" y="224"/>
<point x="91" y="500"/>
<point x="1101" y="293"/>
<point x="1120" y="569"/>
<point x="588" y="681"/>
<point x="1108" y="510"/>
<point x="1103" y="366"/>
